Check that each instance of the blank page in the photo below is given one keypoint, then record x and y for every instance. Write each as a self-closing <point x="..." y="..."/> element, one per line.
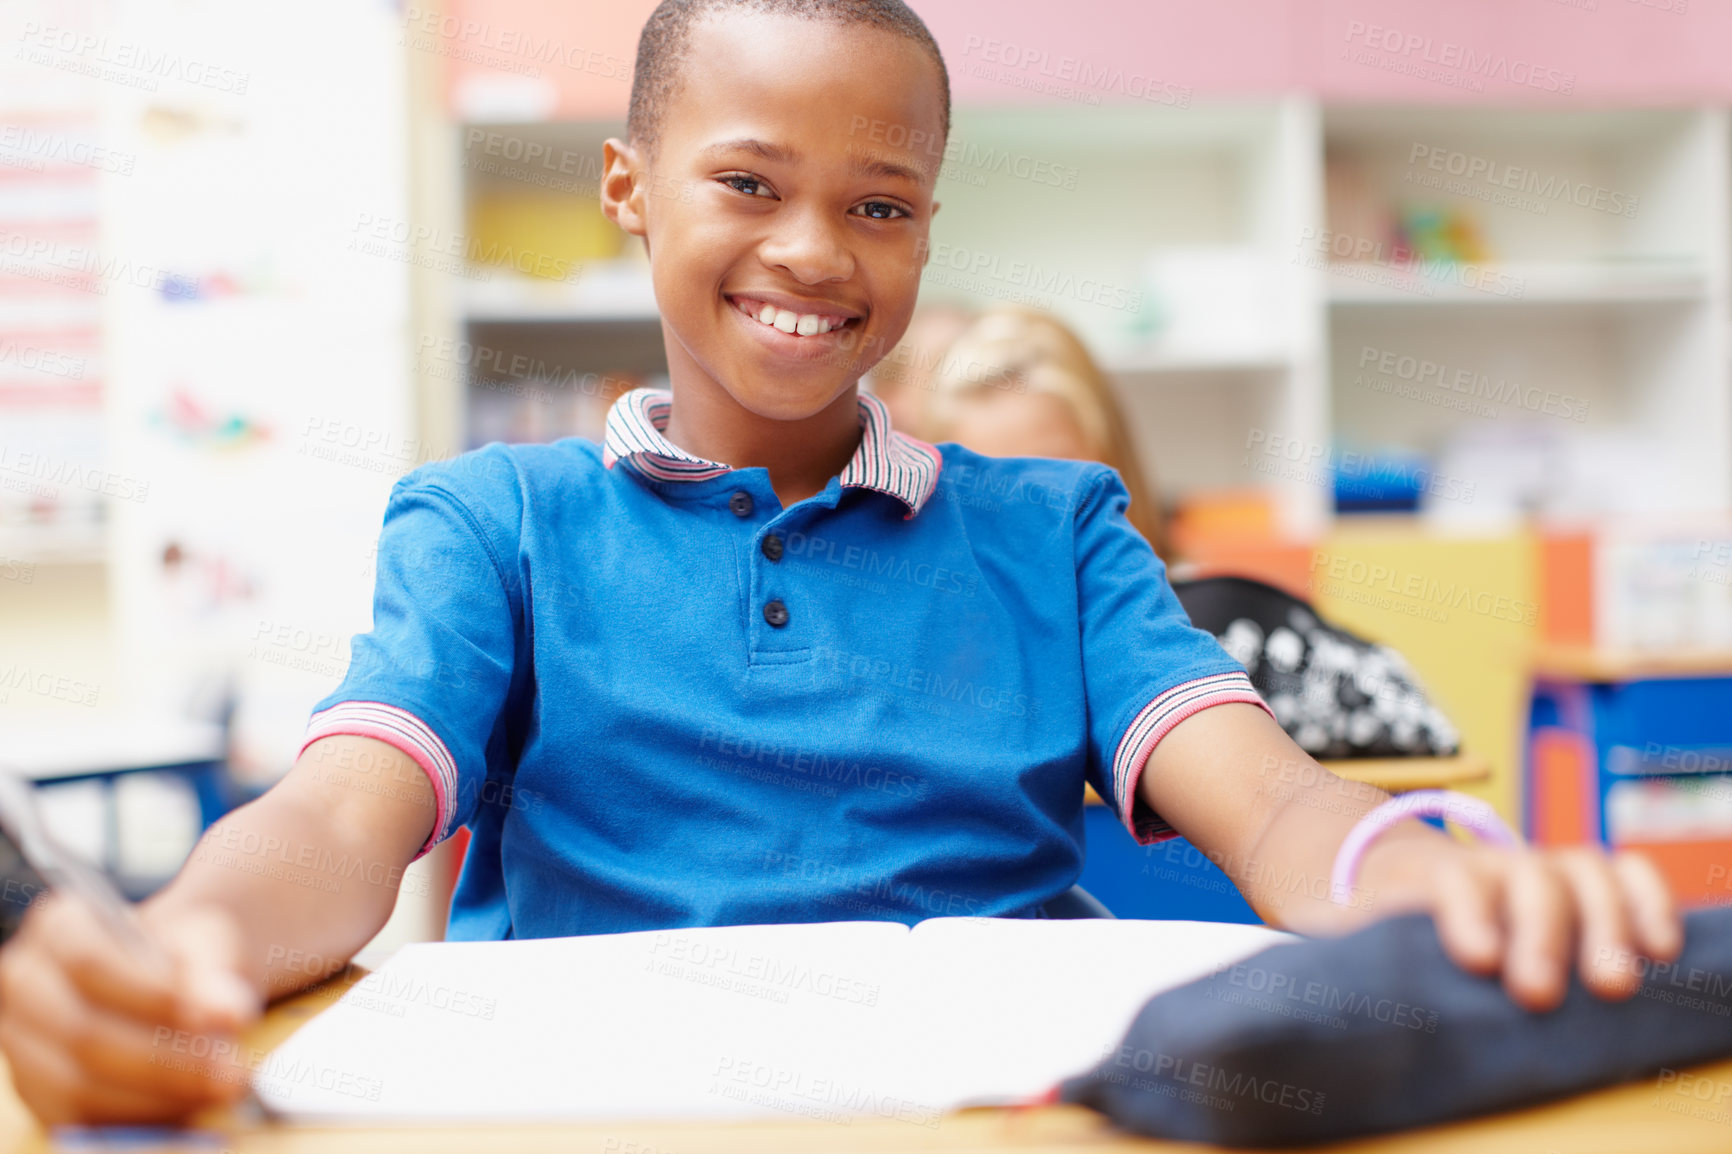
<point x="829" y="1020"/>
<point x="1016" y="1005"/>
<point x="694" y="1023"/>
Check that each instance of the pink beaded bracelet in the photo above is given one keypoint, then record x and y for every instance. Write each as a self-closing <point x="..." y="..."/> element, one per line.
<point x="1469" y="813"/>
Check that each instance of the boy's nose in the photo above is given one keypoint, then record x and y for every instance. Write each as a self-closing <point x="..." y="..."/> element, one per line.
<point x="809" y="248"/>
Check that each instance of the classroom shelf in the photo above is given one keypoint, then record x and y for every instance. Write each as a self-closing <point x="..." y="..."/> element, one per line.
<point x="1512" y="284"/>
<point x="1206" y="218"/>
<point x="1579" y="344"/>
<point x="601" y="294"/>
<point x="85" y="544"/>
<point x="1633" y="751"/>
<point x="1594" y="664"/>
<point x="1135" y="364"/>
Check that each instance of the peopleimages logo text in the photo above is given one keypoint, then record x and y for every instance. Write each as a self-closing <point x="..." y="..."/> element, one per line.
<point x="1459" y="57"/>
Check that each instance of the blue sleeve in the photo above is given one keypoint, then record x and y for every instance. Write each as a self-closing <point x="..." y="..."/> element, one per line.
<point x="434" y="675"/>
<point x="1145" y="667"/>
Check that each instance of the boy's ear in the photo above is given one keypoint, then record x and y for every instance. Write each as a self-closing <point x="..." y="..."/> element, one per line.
<point x="623" y="183"/>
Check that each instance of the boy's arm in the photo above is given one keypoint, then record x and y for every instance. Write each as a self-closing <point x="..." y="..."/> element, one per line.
<point x="1257" y="805"/>
<point x="311" y="870"/>
<point x="276" y="895"/>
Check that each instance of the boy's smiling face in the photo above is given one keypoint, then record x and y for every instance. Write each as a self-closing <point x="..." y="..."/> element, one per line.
<point x="775" y="200"/>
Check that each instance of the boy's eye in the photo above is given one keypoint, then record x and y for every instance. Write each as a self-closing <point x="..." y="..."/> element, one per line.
<point x="746" y="183"/>
<point x="881" y="210"/>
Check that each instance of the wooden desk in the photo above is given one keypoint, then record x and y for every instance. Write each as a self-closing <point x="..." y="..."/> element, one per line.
<point x="1621" y="1120"/>
<point x="1587" y="663"/>
<point x="1403" y="773"/>
<point x="110" y="747"/>
<point x="1397" y="774"/>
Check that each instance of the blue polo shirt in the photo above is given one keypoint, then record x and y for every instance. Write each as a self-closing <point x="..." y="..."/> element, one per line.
<point x="659" y="699"/>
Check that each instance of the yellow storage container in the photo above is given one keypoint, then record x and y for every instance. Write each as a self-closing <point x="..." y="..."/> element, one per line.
<point x="1464" y="611"/>
<point x="542" y="235"/>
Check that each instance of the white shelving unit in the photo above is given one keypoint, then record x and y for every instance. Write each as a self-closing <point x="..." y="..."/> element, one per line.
<point x="271" y="410"/>
<point x="1593" y="342"/>
<point x="54" y="544"/>
<point x="1183" y="246"/>
<point x="603" y="295"/>
<point x="1191" y="214"/>
<point x="51" y="308"/>
<point x="1532" y="283"/>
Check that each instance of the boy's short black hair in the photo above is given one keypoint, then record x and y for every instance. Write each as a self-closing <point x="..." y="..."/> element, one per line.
<point x="661" y="49"/>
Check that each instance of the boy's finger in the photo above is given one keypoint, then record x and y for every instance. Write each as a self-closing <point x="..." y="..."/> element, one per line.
<point x="212" y="993"/>
<point x="1467" y="918"/>
<point x="216" y="998"/>
<point x="45" y="1078"/>
<point x="111" y="1104"/>
<point x="1539" y="919"/>
<point x="193" y="1071"/>
<point x="110" y="1049"/>
<point x="102" y="968"/>
<point x="57" y="1092"/>
<point x="1605" y="936"/>
<point x="1653" y="910"/>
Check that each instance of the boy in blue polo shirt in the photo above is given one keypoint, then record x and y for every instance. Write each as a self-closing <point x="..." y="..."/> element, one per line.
<point x="759" y="657"/>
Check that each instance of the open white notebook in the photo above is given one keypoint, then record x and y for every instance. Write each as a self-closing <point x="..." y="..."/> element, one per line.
<point x="829" y="1020"/>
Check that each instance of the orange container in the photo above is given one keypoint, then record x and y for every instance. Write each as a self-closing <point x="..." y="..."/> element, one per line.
<point x="1699" y="872"/>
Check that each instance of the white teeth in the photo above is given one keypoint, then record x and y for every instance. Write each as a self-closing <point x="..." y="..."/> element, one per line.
<point x="799" y="324"/>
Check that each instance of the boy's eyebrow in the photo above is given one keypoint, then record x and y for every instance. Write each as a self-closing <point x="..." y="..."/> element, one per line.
<point x="867" y="164"/>
<point x="864" y="163"/>
<point x="761" y="149"/>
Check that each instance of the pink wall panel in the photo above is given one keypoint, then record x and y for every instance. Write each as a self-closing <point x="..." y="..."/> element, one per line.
<point x="1553" y="53"/>
<point x="1089" y="51"/>
<point x="1549" y="53"/>
<point x="580" y="52"/>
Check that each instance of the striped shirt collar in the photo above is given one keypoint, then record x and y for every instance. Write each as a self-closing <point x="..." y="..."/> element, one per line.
<point x="886" y="461"/>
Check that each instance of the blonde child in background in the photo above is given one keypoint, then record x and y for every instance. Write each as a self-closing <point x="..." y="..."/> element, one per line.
<point x="904" y="378"/>
<point x="1019" y="383"/>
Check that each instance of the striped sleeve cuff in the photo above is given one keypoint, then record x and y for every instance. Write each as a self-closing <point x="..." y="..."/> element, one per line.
<point x="1154" y="722"/>
<point x="405" y="731"/>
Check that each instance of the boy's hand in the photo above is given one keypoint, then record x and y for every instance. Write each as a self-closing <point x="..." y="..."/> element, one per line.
<point x="1533" y="915"/>
<point x="1234" y="783"/>
<point x="94" y="1034"/>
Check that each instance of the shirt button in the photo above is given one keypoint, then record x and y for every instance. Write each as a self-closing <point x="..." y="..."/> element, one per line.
<point x="772" y="547"/>
<point x="776" y="613"/>
<point x="741" y="504"/>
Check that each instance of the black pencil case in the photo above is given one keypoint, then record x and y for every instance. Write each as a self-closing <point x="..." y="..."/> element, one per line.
<point x="1329" y="1039"/>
